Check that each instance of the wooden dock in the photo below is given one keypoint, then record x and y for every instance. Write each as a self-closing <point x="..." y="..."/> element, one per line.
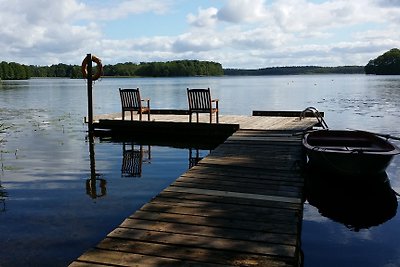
<point x="260" y="120"/>
<point x="241" y="205"/>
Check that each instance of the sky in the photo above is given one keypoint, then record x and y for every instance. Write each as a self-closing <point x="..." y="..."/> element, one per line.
<point x="236" y="33"/>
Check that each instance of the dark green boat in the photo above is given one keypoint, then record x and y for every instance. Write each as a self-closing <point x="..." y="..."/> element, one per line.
<point x="348" y="152"/>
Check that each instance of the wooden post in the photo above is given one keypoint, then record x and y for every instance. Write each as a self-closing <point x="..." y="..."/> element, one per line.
<point x="91" y="184"/>
<point x="90" y="91"/>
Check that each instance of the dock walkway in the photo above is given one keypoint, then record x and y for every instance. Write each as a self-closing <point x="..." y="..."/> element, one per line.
<point x="239" y="206"/>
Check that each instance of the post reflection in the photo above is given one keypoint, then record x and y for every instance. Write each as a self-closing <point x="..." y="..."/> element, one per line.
<point x="3" y="197"/>
<point x="133" y="157"/>
<point x="95" y="185"/>
<point x="356" y="202"/>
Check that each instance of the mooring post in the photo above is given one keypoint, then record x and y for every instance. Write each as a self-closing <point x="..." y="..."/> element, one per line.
<point x="90" y="91"/>
<point x="87" y="71"/>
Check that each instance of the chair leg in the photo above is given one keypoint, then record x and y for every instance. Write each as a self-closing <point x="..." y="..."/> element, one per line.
<point x="210" y="117"/>
<point x="197" y="117"/>
<point x="217" y="115"/>
<point x="123" y="115"/>
<point x="190" y="117"/>
<point x="140" y="115"/>
<point x="131" y="115"/>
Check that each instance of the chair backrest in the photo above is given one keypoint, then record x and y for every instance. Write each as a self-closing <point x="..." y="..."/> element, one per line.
<point x="199" y="99"/>
<point x="130" y="99"/>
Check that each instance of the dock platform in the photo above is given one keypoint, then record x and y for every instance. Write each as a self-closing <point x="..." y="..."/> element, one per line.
<point x="242" y="205"/>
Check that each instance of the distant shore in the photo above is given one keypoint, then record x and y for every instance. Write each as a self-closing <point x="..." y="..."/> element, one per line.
<point x="179" y="68"/>
<point x="295" y="70"/>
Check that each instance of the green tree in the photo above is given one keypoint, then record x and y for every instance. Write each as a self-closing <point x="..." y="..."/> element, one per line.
<point x="174" y="68"/>
<point x="385" y="64"/>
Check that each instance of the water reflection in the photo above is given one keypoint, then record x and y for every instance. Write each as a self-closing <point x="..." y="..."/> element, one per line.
<point x="95" y="181"/>
<point x="3" y="197"/>
<point x="96" y="187"/>
<point x="194" y="156"/>
<point x="136" y="152"/>
<point x="357" y="202"/>
<point x="133" y="157"/>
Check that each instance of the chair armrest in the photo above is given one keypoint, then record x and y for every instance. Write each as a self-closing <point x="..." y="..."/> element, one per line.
<point x="216" y="102"/>
<point x="148" y="102"/>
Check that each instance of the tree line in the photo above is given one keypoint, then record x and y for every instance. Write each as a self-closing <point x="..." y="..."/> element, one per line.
<point x="177" y="68"/>
<point x="386" y="64"/>
<point x="296" y="70"/>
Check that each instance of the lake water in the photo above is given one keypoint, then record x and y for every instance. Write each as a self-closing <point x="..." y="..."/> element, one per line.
<point x="50" y="212"/>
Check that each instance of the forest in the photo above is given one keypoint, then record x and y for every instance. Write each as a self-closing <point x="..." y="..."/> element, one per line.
<point x="386" y="64"/>
<point x="177" y="68"/>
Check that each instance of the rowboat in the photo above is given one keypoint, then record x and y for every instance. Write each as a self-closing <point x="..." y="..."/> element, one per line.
<point x="348" y="152"/>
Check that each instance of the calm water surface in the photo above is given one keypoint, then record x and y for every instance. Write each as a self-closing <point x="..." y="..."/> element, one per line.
<point x="50" y="212"/>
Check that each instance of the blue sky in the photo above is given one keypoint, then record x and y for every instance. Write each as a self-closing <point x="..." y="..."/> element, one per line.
<point x="236" y="33"/>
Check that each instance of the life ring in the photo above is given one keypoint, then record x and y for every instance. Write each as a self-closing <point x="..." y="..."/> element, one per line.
<point x="99" y="68"/>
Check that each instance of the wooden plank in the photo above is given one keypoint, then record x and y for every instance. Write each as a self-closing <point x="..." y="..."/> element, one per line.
<point x="233" y="223"/>
<point x="210" y="231"/>
<point x="120" y="258"/>
<point x="256" y="173"/>
<point x="250" y="163"/>
<point x="87" y="264"/>
<point x="193" y="240"/>
<point x="267" y="190"/>
<point x="199" y="255"/>
<point x="258" y="211"/>
<point x="283" y="113"/>
<point x="251" y="214"/>
<point x="239" y="202"/>
<point x="176" y="189"/>
<point x="263" y="184"/>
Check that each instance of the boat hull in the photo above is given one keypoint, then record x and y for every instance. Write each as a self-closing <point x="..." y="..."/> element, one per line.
<point x="348" y="152"/>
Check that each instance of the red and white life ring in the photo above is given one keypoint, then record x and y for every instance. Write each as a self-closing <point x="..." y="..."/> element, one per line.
<point x="99" y="68"/>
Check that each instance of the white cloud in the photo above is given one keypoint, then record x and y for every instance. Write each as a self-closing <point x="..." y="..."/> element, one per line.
<point x="388" y="3"/>
<point x="237" y="33"/>
<point x="301" y="15"/>
<point x="260" y="38"/>
<point x="50" y="32"/>
<point x="42" y="29"/>
<point x="109" y="10"/>
<point x="197" y="42"/>
<point x="237" y="11"/>
<point x="204" y="18"/>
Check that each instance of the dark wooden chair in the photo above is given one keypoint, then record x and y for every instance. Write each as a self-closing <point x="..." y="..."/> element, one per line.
<point x="200" y="102"/>
<point x="131" y="101"/>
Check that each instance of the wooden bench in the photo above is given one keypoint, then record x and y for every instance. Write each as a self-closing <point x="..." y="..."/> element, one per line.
<point x="131" y="101"/>
<point x="200" y="102"/>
